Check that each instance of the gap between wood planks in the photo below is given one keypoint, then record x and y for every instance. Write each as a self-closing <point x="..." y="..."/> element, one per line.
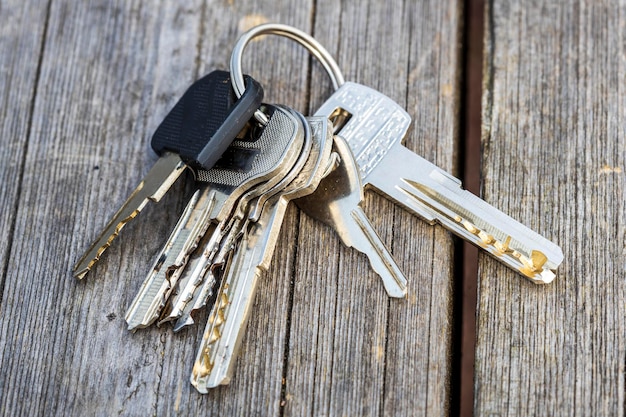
<point x="462" y="391"/>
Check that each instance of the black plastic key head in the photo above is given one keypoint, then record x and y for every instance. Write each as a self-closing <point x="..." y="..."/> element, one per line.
<point x="207" y="119"/>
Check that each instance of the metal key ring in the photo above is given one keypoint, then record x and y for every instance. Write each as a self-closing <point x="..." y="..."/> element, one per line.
<point x="314" y="47"/>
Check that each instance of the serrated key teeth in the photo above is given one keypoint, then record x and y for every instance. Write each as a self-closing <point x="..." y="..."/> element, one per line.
<point x="89" y="259"/>
<point x="467" y="216"/>
<point x="207" y="381"/>
<point x="546" y="277"/>
<point x="535" y="266"/>
<point x="201" y="370"/>
<point x="154" y="185"/>
<point x="208" y="373"/>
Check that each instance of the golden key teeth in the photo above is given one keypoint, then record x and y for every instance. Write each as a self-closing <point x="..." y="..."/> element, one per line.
<point x="155" y="184"/>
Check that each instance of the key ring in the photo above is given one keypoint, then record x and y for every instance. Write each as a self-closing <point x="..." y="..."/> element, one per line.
<point x="314" y="47"/>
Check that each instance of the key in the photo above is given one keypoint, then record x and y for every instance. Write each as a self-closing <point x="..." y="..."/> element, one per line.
<point x="373" y="125"/>
<point x="336" y="202"/>
<point x="227" y="322"/>
<point x="157" y="286"/>
<point x="194" y="134"/>
<point x="247" y="162"/>
<point x="183" y="310"/>
<point x="284" y="139"/>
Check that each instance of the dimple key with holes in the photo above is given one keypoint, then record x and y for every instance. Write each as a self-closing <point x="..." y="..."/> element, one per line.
<point x="249" y="162"/>
<point x="227" y="322"/>
<point x="374" y="125"/>
<point x="195" y="133"/>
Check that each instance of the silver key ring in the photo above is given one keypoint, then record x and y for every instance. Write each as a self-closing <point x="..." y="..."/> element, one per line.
<point x="313" y="46"/>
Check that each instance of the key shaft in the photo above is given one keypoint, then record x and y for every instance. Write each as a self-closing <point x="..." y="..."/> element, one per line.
<point x="438" y="197"/>
<point x="282" y="140"/>
<point x="247" y="209"/>
<point x="152" y="188"/>
<point x="195" y="133"/>
<point x="165" y="272"/>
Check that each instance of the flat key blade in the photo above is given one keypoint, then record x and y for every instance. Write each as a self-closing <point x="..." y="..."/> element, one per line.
<point x="155" y="184"/>
<point x="336" y="202"/>
<point x="283" y="141"/>
<point x="438" y="197"/>
<point x="224" y="330"/>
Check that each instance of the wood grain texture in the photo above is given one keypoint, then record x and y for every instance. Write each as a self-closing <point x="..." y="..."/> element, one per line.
<point x="363" y="354"/>
<point x="20" y="47"/>
<point x="324" y="338"/>
<point x="554" y="157"/>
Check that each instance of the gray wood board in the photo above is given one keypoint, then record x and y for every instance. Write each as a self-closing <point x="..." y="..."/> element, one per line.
<point x="324" y="339"/>
<point x="20" y="47"/>
<point x="554" y="157"/>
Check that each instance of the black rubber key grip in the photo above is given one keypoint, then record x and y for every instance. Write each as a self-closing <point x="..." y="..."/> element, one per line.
<point x="207" y="119"/>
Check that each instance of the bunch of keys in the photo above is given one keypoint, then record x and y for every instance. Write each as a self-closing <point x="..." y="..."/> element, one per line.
<point x="248" y="168"/>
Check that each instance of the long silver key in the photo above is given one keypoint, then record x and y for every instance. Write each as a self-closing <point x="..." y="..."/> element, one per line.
<point x="287" y="135"/>
<point x="227" y="322"/>
<point x="373" y="125"/>
<point x="336" y="202"/>
<point x="246" y="163"/>
<point x="195" y="132"/>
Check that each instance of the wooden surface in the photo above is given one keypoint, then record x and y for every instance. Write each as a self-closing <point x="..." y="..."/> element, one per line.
<point x="554" y="157"/>
<point x="82" y="87"/>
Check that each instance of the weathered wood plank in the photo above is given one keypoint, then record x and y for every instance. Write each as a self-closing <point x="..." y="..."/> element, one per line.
<point x="352" y="350"/>
<point x="554" y="157"/>
<point x="110" y="72"/>
<point x="20" y="45"/>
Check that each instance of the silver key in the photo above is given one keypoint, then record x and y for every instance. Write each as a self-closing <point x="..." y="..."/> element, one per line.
<point x="247" y="210"/>
<point x="336" y="202"/>
<point x="286" y="136"/>
<point x="374" y="126"/>
<point x="184" y="273"/>
<point x="227" y="322"/>
<point x="252" y="161"/>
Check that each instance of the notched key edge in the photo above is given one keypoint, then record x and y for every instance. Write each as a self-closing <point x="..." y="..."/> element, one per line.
<point x="155" y="184"/>
<point x="532" y="266"/>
